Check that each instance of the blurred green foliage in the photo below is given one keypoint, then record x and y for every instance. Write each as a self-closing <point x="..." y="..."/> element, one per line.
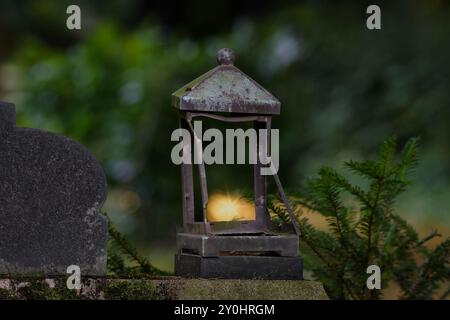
<point x="343" y="89"/>
<point x="365" y="230"/>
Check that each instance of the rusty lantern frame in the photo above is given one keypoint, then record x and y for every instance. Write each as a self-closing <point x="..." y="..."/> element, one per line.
<point x="200" y="98"/>
<point x="226" y="94"/>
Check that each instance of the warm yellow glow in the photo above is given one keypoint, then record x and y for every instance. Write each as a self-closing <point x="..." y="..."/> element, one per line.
<point x="226" y="207"/>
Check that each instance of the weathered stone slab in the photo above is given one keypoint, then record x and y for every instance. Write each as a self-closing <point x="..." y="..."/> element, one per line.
<point x="51" y="192"/>
<point x="168" y="288"/>
<point x="241" y="289"/>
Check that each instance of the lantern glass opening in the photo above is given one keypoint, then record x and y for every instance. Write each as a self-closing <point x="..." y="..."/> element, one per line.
<point x="230" y="186"/>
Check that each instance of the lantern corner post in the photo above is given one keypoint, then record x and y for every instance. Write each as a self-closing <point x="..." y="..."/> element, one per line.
<point x="187" y="182"/>
<point x="260" y="180"/>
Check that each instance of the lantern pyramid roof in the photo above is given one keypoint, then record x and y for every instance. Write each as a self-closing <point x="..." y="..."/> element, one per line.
<point x="225" y="89"/>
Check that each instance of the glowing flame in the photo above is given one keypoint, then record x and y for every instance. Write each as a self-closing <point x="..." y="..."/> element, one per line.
<point x="226" y="207"/>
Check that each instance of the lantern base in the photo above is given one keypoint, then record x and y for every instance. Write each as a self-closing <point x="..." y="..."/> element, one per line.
<point x="285" y="245"/>
<point x="239" y="267"/>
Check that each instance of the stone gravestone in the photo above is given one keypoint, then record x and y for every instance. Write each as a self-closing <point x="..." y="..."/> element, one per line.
<point x="51" y="192"/>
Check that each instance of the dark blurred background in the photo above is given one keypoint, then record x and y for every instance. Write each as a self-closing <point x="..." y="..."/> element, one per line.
<point x="343" y="89"/>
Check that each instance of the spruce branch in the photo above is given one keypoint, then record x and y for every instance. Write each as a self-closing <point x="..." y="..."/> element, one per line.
<point x="372" y="233"/>
<point x="432" y="235"/>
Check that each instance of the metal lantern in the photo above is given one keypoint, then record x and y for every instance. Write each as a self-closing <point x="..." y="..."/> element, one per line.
<point x="231" y="249"/>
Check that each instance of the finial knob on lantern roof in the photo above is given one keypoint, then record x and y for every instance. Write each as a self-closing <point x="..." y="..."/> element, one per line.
<point x="226" y="56"/>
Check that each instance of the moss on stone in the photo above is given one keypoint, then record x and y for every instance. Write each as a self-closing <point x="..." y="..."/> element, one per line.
<point x="5" y="294"/>
<point x="37" y="290"/>
<point x="131" y="290"/>
<point x="41" y="289"/>
<point x="65" y="294"/>
<point x="217" y="289"/>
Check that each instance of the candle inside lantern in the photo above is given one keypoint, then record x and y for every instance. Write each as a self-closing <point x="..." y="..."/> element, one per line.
<point x="228" y="207"/>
